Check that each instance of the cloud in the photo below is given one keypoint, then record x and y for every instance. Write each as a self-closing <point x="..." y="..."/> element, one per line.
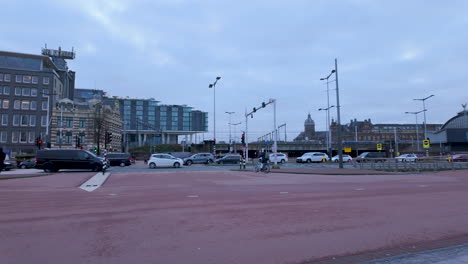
<point x="410" y="54"/>
<point x="111" y="15"/>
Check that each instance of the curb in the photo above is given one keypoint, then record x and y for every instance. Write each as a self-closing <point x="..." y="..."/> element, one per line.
<point x="19" y="176"/>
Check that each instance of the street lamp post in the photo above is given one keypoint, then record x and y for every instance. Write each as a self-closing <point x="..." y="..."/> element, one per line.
<point x="328" y="114"/>
<point x="417" y="129"/>
<point x="338" y="107"/>
<point x="230" y="141"/>
<point x="328" y="128"/>
<point x="213" y="85"/>
<point x="61" y="104"/>
<point x="424" y="109"/>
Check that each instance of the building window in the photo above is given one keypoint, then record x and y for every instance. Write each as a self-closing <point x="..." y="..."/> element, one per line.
<point x="3" y="136"/>
<point x="31" y="137"/>
<point x="68" y="138"/>
<point x="7" y="77"/>
<point x="14" y="137"/>
<point x="139" y="102"/>
<point x="82" y="137"/>
<point x="4" y="120"/>
<point x="82" y="122"/>
<point x="25" y="105"/>
<point x="6" y="90"/>
<point x="6" y="103"/>
<point x="26" y="91"/>
<point x="44" y="105"/>
<point x="139" y="113"/>
<point x="17" y="91"/>
<point x="24" y="120"/>
<point x="27" y="78"/>
<point x="33" y="105"/>
<point x="44" y="121"/>
<point x="1" y="77"/>
<point x="18" y="78"/>
<point x="33" y="92"/>
<point x="16" y="120"/>
<point x="17" y="104"/>
<point x="23" y="137"/>
<point x="45" y="80"/>
<point x="45" y="92"/>
<point x="69" y="122"/>
<point x="32" y="120"/>
<point x="35" y="79"/>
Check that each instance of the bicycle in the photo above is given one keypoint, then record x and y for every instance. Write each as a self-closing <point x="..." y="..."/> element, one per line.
<point x="262" y="167"/>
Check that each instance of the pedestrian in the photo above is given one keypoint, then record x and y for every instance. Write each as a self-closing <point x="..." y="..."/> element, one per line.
<point x="2" y="159"/>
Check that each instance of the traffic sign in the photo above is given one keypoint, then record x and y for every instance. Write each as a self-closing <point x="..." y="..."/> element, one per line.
<point x="379" y="146"/>
<point x="426" y="143"/>
<point x="347" y="150"/>
<point x="267" y="142"/>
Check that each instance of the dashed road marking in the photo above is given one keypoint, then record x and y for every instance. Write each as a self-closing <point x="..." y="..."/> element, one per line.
<point x="192" y="196"/>
<point x="359" y="189"/>
<point x="422" y="186"/>
<point x="284" y="192"/>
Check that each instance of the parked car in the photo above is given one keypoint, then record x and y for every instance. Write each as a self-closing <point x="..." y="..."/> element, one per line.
<point x="346" y="158"/>
<point x="409" y="158"/>
<point x="52" y="160"/>
<point x="312" y="157"/>
<point x="371" y="157"/>
<point x="8" y="165"/>
<point x="164" y="160"/>
<point x="27" y="164"/>
<point x="278" y="157"/>
<point x="118" y="159"/>
<point x="200" y="158"/>
<point x="229" y="158"/>
<point x="460" y="158"/>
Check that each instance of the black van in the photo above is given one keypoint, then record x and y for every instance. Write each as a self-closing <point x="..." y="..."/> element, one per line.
<point x="118" y="159"/>
<point x="52" y="160"/>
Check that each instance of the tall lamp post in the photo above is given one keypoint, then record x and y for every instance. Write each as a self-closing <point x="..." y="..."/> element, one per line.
<point x="338" y="107"/>
<point x="213" y="85"/>
<point x="424" y="109"/>
<point x="61" y="105"/>
<point x="328" y="113"/>
<point x="328" y="128"/>
<point x="230" y="113"/>
<point x="417" y="129"/>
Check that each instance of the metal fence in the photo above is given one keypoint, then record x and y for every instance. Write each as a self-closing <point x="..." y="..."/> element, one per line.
<point x="428" y="164"/>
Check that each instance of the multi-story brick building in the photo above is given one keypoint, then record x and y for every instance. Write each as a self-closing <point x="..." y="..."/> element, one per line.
<point x="30" y="84"/>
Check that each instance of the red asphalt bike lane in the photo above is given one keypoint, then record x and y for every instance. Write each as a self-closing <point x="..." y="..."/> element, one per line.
<point x="225" y="217"/>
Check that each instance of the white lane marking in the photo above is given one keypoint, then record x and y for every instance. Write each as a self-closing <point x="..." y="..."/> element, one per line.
<point x="359" y="189"/>
<point x="284" y="192"/>
<point x="422" y="186"/>
<point x="95" y="182"/>
<point x="112" y="194"/>
<point x="192" y="196"/>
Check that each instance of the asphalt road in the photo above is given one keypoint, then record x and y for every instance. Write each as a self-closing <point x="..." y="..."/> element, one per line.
<point x="186" y="216"/>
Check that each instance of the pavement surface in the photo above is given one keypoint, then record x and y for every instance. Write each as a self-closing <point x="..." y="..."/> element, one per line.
<point x="158" y="216"/>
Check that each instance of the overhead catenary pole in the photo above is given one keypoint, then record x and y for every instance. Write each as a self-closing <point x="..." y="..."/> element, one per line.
<point x="340" y="141"/>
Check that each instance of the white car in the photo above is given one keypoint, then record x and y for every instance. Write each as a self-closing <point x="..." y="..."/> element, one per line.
<point x="278" y="157"/>
<point x="408" y="158"/>
<point x="164" y="160"/>
<point x="346" y="158"/>
<point x="312" y="157"/>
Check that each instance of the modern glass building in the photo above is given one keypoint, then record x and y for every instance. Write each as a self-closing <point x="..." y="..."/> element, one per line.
<point x="146" y="122"/>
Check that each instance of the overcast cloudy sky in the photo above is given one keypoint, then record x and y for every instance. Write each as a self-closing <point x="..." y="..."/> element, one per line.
<point x="389" y="52"/>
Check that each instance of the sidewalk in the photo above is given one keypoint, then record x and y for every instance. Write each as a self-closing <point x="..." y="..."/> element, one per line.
<point x="22" y="173"/>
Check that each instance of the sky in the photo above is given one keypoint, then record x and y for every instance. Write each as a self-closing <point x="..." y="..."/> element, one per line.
<point x="388" y="52"/>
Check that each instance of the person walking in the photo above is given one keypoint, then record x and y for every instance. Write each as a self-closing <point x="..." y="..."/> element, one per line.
<point x="2" y="159"/>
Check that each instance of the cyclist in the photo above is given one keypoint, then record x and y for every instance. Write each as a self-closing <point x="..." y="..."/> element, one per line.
<point x="264" y="158"/>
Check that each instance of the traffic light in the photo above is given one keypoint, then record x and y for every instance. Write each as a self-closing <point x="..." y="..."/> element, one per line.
<point x="95" y="150"/>
<point x="108" y="137"/>
<point x="243" y="138"/>
<point x="254" y="109"/>
<point x="38" y="142"/>
<point x="78" y="142"/>
<point x="263" y="104"/>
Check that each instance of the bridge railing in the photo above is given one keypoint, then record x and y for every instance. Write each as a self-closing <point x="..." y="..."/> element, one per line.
<point x="435" y="163"/>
